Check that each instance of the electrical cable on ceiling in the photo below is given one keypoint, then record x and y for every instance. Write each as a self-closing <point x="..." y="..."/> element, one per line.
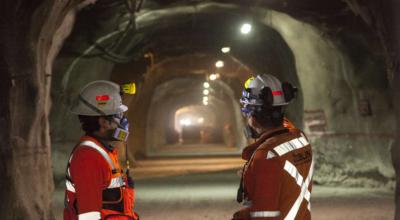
<point x="110" y="52"/>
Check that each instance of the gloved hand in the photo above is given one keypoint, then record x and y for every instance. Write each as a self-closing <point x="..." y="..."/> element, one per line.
<point x="243" y="214"/>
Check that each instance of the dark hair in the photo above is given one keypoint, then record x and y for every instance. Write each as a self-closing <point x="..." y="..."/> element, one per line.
<point x="270" y="116"/>
<point x="90" y="124"/>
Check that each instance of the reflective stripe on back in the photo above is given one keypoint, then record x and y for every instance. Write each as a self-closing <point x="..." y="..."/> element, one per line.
<point x="303" y="184"/>
<point x="291" y="145"/>
<point x="265" y="214"/>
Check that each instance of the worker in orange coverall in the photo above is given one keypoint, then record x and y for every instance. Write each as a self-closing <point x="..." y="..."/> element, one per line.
<point x="96" y="186"/>
<point x="277" y="177"/>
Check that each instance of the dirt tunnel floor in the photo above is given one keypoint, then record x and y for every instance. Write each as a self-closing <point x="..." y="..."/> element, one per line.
<point x="211" y="196"/>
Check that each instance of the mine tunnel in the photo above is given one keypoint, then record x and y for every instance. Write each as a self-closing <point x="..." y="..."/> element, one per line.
<point x="189" y="61"/>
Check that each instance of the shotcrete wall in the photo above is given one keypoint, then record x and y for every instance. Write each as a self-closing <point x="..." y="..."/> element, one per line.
<point x="347" y="107"/>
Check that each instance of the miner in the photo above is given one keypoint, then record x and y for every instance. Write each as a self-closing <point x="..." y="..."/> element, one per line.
<point x="96" y="186"/>
<point x="276" y="180"/>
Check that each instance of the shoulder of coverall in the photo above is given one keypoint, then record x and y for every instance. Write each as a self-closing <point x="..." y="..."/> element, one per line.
<point x="249" y="150"/>
<point x="274" y="141"/>
<point x="81" y="148"/>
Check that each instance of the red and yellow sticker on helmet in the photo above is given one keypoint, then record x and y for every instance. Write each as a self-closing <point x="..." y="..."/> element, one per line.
<point x="248" y="81"/>
<point x="102" y="99"/>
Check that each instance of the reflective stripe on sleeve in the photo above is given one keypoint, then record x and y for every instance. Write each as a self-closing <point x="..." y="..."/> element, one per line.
<point x="69" y="186"/>
<point x="116" y="182"/>
<point x="89" y="216"/>
<point x="265" y="214"/>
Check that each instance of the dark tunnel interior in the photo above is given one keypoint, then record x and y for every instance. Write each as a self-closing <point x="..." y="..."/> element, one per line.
<point x="189" y="61"/>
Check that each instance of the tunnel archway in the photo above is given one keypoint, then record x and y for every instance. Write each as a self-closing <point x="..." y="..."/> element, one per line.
<point x="362" y="80"/>
<point x="334" y="82"/>
<point x="178" y="94"/>
<point x="273" y="56"/>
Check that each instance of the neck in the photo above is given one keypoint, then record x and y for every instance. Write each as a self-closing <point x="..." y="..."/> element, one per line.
<point x="263" y="130"/>
<point x="102" y="138"/>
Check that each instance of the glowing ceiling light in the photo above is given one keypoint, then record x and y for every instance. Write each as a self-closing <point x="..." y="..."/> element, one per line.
<point x="206" y="92"/>
<point x="205" y="102"/>
<point x="246" y="28"/>
<point x="213" y="76"/>
<point x="200" y="120"/>
<point x="206" y="85"/>
<point x="225" y="49"/>
<point x="219" y="64"/>
<point x="205" y="98"/>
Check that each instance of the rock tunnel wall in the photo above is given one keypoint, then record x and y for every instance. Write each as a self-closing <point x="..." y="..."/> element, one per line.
<point x="347" y="103"/>
<point x="344" y="97"/>
<point x="18" y="31"/>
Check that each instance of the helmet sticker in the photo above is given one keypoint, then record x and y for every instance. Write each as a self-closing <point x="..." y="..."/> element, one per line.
<point x="277" y="93"/>
<point x="102" y="99"/>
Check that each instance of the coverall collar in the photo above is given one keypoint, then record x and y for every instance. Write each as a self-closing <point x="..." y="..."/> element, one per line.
<point x="248" y="151"/>
<point x="108" y="147"/>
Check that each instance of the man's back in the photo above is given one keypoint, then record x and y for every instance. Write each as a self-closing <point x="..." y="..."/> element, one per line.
<point x="278" y="178"/>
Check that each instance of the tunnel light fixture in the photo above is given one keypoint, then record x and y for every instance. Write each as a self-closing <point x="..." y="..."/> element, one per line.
<point x="225" y="49"/>
<point x="219" y="64"/>
<point x="200" y="120"/>
<point x="205" y="98"/>
<point x="214" y="76"/>
<point x="246" y="28"/>
<point x="206" y="92"/>
<point x="205" y="102"/>
<point x="206" y="85"/>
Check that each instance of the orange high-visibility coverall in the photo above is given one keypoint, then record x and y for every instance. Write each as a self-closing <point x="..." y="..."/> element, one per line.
<point x="96" y="187"/>
<point x="277" y="176"/>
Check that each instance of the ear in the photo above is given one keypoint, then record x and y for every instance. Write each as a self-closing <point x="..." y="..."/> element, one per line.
<point x="289" y="91"/>
<point x="253" y="122"/>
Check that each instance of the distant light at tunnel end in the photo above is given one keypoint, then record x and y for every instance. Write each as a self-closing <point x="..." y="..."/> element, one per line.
<point x="246" y="28"/>
<point x="219" y="64"/>
<point x="185" y="122"/>
<point x="225" y="49"/>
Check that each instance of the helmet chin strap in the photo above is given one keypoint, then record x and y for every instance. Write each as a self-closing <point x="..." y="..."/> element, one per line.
<point x="250" y="132"/>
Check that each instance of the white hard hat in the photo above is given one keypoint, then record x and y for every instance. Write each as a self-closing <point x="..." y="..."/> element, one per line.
<point x="277" y="93"/>
<point x="98" y="98"/>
